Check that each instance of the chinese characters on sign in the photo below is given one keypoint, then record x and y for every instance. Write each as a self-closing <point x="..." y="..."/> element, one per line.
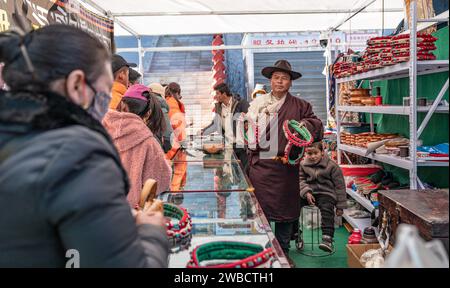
<point x="298" y="40"/>
<point x="340" y="40"/>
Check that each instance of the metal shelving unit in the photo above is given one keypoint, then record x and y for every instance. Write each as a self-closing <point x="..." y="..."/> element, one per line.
<point x="361" y="200"/>
<point x="405" y="163"/>
<point x="402" y="70"/>
<point x="356" y="223"/>
<point x="393" y="110"/>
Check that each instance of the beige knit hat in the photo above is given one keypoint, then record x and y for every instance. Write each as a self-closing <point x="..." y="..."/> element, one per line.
<point x="157" y="88"/>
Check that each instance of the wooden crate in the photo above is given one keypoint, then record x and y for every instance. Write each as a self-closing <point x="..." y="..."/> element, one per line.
<point x="355" y="251"/>
<point x="426" y="209"/>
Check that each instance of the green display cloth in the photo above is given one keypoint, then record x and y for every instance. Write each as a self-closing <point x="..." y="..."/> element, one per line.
<point x="436" y="132"/>
<point x="336" y="260"/>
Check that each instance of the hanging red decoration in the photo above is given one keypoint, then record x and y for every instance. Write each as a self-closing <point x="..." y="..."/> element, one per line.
<point x="218" y="58"/>
<point x="219" y="66"/>
<point x="219" y="75"/>
<point x="217" y="42"/>
<point x="218" y="81"/>
<point x="215" y="52"/>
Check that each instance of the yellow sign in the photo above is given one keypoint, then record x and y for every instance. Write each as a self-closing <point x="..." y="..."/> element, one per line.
<point x="4" y="23"/>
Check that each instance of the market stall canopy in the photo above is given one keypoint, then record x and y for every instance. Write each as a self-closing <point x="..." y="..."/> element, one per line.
<point x="175" y="17"/>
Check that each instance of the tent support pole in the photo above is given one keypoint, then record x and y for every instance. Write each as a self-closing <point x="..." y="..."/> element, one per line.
<point x="256" y="12"/>
<point x="141" y="56"/>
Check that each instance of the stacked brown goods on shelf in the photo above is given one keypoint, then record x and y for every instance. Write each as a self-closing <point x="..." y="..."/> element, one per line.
<point x="344" y="96"/>
<point x="385" y="51"/>
<point x="392" y="147"/>
<point x="362" y="139"/>
<point x="345" y="90"/>
<point x="344" y="69"/>
<point x="401" y="50"/>
<point x="378" y="52"/>
<point x="360" y="97"/>
<point x="344" y="93"/>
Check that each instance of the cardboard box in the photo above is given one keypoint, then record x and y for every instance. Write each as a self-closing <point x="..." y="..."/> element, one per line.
<point x="355" y="251"/>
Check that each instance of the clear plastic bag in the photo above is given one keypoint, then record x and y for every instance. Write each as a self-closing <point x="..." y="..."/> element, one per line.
<point x="411" y="251"/>
<point x="310" y="217"/>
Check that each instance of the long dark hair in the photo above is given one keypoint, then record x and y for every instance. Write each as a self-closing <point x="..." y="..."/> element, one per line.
<point x="156" y="122"/>
<point x="54" y="52"/>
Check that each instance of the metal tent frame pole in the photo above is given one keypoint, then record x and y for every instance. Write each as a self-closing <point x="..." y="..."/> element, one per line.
<point x="223" y="47"/>
<point x="141" y="56"/>
<point x="338" y="123"/>
<point x="254" y="12"/>
<point x="413" y="94"/>
<point x="328" y="62"/>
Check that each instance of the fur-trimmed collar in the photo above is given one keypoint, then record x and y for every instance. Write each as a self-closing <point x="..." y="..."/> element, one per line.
<point x="44" y="111"/>
<point x="322" y="163"/>
<point x="23" y="112"/>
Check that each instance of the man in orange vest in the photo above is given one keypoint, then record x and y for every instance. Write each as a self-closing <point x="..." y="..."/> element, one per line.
<point x="120" y="68"/>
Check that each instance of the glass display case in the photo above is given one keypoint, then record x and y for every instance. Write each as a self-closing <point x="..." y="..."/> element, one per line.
<point x="193" y="155"/>
<point x="223" y="216"/>
<point x="220" y="200"/>
<point x="203" y="172"/>
<point x="193" y="149"/>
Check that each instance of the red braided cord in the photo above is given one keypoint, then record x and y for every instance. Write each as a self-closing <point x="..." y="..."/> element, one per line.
<point x="265" y="255"/>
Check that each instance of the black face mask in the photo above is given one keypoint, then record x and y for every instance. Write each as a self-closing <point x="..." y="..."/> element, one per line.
<point x="99" y="105"/>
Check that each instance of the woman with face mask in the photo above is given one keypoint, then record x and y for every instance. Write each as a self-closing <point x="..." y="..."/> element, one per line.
<point x="133" y="128"/>
<point x="62" y="185"/>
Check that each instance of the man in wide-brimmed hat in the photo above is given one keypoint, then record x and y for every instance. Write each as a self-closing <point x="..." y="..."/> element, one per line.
<point x="276" y="182"/>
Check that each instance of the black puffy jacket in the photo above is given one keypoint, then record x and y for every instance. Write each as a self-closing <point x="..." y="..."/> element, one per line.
<point x="63" y="189"/>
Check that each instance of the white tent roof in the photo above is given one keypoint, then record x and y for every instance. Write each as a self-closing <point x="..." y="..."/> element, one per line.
<point x="177" y="17"/>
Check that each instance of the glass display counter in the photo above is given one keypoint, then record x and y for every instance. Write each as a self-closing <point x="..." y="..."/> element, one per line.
<point x="220" y="200"/>
<point x="192" y="155"/>
<point x="203" y="172"/>
<point x="223" y="216"/>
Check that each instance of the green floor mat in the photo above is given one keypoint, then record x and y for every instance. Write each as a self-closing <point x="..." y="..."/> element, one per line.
<point x="336" y="260"/>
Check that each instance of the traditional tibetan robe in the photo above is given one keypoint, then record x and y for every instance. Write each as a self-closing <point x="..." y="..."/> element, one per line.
<point x="277" y="184"/>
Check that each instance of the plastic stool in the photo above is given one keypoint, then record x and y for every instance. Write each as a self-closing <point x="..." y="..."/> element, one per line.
<point x="311" y="248"/>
